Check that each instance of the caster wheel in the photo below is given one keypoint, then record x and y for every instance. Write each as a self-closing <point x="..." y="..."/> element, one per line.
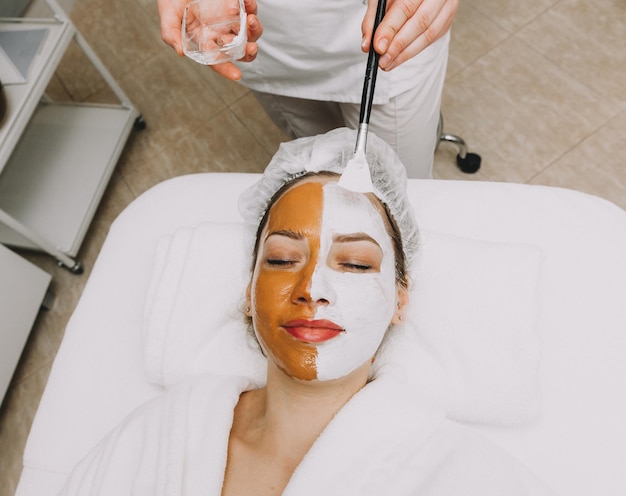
<point x="469" y="164"/>
<point x="140" y="123"/>
<point x="77" y="268"/>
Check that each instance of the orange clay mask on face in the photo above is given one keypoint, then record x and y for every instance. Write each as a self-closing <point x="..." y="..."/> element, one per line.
<point x="323" y="289"/>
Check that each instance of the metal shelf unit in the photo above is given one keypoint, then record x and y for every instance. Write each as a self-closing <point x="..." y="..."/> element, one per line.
<point x="56" y="159"/>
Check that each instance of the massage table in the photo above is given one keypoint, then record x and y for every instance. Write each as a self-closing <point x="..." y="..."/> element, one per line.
<point x="521" y="296"/>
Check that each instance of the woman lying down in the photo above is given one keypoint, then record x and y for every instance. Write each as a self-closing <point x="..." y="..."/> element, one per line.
<point x="328" y="283"/>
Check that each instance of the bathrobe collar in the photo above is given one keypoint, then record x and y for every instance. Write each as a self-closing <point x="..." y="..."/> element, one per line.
<point x="359" y="452"/>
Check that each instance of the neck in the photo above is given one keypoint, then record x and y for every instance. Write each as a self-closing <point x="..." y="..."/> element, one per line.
<point x="308" y="405"/>
<point x="292" y="414"/>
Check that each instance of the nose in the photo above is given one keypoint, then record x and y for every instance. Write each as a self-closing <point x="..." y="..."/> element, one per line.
<point x="322" y="290"/>
<point x="315" y="287"/>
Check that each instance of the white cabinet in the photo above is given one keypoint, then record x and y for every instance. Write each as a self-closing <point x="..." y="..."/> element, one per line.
<point x="23" y="287"/>
<point x="56" y="158"/>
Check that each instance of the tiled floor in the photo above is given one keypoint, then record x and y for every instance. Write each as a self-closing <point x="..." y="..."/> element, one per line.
<point x="538" y="88"/>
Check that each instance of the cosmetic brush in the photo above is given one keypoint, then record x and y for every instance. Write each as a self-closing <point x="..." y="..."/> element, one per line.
<point x="356" y="175"/>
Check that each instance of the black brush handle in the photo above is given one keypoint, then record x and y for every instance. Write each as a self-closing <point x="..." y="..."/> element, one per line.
<point x="371" y="69"/>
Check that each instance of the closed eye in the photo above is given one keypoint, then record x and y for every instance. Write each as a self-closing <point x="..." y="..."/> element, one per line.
<point x="277" y="262"/>
<point x="355" y="267"/>
<point x="355" y="254"/>
<point x="284" y="250"/>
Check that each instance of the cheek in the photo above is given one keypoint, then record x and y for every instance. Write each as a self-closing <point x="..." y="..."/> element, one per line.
<point x="365" y="308"/>
<point x="366" y="301"/>
<point x="270" y="289"/>
<point x="271" y="295"/>
<point x="271" y="302"/>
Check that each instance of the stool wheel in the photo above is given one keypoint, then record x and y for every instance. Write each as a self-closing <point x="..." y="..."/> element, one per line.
<point x="468" y="164"/>
<point x="466" y="161"/>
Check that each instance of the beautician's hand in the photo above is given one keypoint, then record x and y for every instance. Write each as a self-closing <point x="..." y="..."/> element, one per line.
<point x="171" y="12"/>
<point x="407" y="28"/>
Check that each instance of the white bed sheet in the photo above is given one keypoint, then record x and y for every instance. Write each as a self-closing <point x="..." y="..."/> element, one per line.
<point x="578" y="446"/>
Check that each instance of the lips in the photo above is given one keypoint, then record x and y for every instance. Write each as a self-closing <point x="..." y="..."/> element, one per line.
<point x="312" y="331"/>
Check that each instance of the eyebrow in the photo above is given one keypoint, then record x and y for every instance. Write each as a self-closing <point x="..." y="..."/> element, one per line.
<point x="286" y="233"/>
<point x="348" y="238"/>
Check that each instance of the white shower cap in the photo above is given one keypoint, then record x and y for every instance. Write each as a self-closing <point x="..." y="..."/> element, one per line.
<point x="331" y="152"/>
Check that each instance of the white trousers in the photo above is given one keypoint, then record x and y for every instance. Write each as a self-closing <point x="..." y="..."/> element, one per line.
<point x="408" y="122"/>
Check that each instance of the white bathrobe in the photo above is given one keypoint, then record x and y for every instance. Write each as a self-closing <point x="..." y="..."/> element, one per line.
<point x="381" y="442"/>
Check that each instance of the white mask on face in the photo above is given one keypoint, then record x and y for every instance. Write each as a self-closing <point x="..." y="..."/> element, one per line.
<point x="361" y="303"/>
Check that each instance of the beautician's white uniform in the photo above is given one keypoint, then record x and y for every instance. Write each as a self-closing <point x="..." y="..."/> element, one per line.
<point x="309" y="74"/>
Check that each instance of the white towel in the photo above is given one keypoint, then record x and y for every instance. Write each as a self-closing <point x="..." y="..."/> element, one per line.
<point x="470" y="337"/>
<point x="195" y="297"/>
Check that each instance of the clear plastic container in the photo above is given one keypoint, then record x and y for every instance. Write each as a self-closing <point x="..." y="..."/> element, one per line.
<point x="214" y="31"/>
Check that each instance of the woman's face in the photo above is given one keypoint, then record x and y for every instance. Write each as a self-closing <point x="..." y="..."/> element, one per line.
<point x="323" y="291"/>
